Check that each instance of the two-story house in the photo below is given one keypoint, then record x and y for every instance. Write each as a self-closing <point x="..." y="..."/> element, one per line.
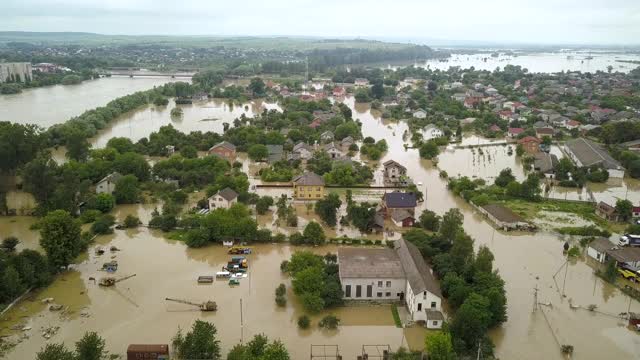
<point x="398" y="274"/>
<point x="225" y="150"/>
<point x="224" y="199"/>
<point x="308" y="186"/>
<point x="393" y="171"/>
<point x="108" y="183"/>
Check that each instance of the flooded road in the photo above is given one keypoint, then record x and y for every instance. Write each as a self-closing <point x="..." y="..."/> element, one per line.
<point x="55" y="104"/>
<point x="526" y="261"/>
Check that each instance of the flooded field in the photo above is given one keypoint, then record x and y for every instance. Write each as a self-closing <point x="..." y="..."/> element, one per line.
<point x="135" y="309"/>
<point x="481" y="162"/>
<point x="199" y="116"/>
<point x="538" y="62"/>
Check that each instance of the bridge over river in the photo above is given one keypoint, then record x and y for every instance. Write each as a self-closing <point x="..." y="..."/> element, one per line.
<point x="146" y="73"/>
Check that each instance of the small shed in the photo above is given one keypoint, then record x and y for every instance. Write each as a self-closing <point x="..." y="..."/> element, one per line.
<point x="607" y="211"/>
<point x="148" y="352"/>
<point x="503" y="217"/>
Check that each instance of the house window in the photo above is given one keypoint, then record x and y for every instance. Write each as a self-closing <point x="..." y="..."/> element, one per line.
<point x="309" y="195"/>
<point x="388" y="294"/>
<point x="435" y="323"/>
<point x="317" y="195"/>
<point x="424" y="295"/>
<point x="419" y="306"/>
<point x="369" y="291"/>
<point x="318" y="189"/>
<point x="358" y="291"/>
<point x="388" y="283"/>
<point x="379" y="283"/>
<point x="433" y="304"/>
<point x="347" y="291"/>
<point x="379" y="294"/>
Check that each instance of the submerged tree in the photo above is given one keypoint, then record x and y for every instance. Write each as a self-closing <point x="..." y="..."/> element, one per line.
<point x="199" y="343"/>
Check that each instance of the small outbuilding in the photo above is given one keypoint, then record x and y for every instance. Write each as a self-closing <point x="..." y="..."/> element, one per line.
<point x="503" y="217"/>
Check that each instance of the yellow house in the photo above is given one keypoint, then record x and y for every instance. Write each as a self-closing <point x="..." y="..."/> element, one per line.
<point x="308" y="186"/>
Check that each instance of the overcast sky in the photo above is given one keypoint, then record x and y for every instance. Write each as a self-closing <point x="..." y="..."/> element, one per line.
<point x="501" y="21"/>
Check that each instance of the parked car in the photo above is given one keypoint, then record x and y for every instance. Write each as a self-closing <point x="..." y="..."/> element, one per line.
<point x="629" y="275"/>
<point x="631" y="268"/>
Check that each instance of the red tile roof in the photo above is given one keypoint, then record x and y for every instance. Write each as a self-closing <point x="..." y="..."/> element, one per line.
<point x="527" y="139"/>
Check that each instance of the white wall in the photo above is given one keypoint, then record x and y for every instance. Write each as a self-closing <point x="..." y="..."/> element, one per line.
<point x="425" y="299"/>
<point x="595" y="254"/>
<point x="105" y="187"/>
<point x="397" y="286"/>
<point x="216" y="202"/>
<point x="618" y="174"/>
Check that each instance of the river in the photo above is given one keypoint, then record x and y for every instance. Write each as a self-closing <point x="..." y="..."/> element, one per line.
<point x="49" y="105"/>
<point x="134" y="311"/>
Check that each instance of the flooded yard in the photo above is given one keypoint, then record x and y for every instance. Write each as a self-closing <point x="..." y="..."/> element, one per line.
<point x="135" y="310"/>
<point x="480" y="163"/>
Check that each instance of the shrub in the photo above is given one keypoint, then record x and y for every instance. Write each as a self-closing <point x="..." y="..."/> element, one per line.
<point x="304" y="322"/>
<point x="176" y="112"/>
<point x="10" y="243"/>
<point x="590" y="230"/>
<point x="281" y="300"/>
<point x="281" y="290"/>
<point x="103" y="224"/>
<point x="284" y="266"/>
<point x="329" y="322"/>
<point x="279" y="237"/>
<point x="131" y="221"/>
<point x="89" y="216"/>
<point x="574" y="251"/>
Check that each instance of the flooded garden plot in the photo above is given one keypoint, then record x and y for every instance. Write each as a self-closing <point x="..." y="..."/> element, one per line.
<point x="480" y="162"/>
<point x="134" y="310"/>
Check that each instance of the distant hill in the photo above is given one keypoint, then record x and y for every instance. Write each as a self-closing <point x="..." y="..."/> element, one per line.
<point x="291" y="43"/>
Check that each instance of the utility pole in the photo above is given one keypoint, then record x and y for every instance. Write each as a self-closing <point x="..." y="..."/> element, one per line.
<point x="535" y="298"/>
<point x="566" y="268"/>
<point x="241" y="323"/>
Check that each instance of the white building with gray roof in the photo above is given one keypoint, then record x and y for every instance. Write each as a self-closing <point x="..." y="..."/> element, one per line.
<point x="398" y="274"/>
<point x="586" y="153"/>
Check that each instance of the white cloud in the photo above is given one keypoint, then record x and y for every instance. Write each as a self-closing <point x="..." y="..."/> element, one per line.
<point x="530" y="21"/>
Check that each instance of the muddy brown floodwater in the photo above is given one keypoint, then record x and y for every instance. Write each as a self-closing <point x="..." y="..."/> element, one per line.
<point x="134" y="311"/>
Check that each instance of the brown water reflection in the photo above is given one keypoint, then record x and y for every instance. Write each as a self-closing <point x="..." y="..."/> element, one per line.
<point x="20" y="227"/>
<point x="135" y="311"/>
